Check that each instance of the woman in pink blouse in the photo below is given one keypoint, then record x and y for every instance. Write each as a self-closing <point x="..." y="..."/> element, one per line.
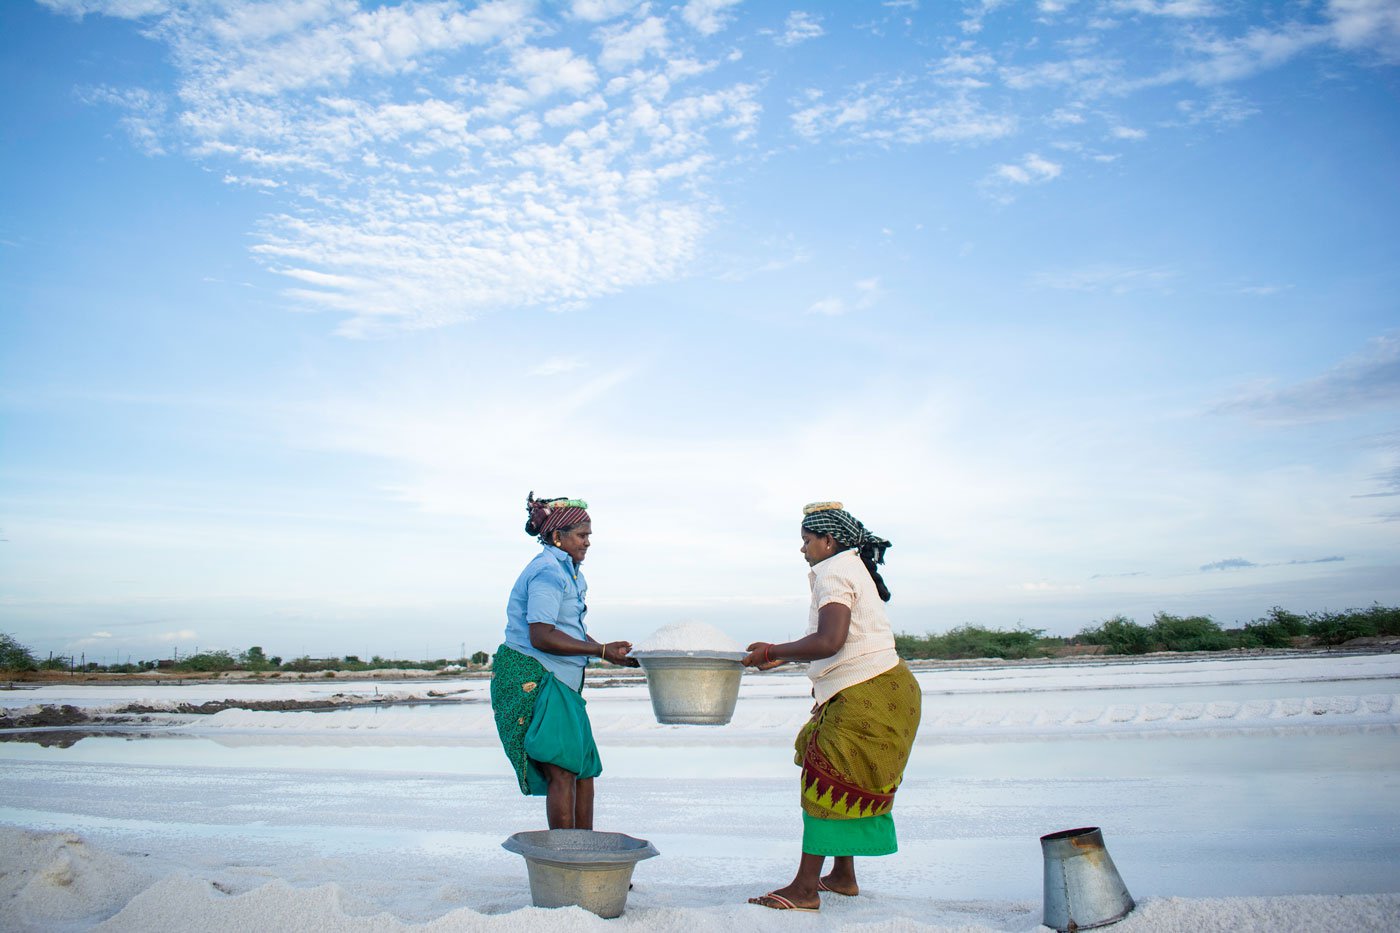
<point x="854" y="749"/>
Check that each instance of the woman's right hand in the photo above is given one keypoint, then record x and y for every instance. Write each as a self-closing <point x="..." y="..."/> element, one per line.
<point x="759" y="656"/>
<point x="616" y="653"/>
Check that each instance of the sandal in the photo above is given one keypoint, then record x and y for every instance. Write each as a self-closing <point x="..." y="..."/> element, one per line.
<point x="779" y="903"/>
<point x="823" y="886"/>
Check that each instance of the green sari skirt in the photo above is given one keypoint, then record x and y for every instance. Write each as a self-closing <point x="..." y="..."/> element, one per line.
<point x="853" y="753"/>
<point x="540" y="720"/>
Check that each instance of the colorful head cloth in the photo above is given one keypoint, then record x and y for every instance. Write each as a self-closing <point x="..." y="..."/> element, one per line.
<point x="829" y="518"/>
<point x="547" y="515"/>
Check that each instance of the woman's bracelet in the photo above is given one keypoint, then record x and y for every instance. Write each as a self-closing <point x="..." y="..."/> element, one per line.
<point x="767" y="654"/>
<point x="603" y="651"/>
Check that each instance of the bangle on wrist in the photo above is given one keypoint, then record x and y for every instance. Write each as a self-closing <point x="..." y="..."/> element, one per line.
<point x="603" y="651"/>
<point x="767" y="654"/>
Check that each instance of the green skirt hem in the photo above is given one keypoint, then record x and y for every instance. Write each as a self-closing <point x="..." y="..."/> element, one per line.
<point x="871" y="835"/>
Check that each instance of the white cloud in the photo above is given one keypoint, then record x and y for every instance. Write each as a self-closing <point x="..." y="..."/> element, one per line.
<point x="575" y="112"/>
<point x="799" y="28"/>
<point x="627" y="46"/>
<point x="1128" y="132"/>
<point x="512" y="178"/>
<point x="1219" y="60"/>
<point x="595" y="11"/>
<point x="1367" y="24"/>
<point x="1180" y="9"/>
<point x="549" y="71"/>
<point x="1032" y="169"/>
<point x="707" y="17"/>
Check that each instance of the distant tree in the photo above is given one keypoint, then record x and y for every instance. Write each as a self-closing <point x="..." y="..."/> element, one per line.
<point x="254" y="659"/>
<point x="481" y="658"/>
<point x="14" y="656"/>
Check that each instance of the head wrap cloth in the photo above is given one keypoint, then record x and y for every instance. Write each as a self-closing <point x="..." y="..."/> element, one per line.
<point x="829" y="518"/>
<point x="547" y="515"/>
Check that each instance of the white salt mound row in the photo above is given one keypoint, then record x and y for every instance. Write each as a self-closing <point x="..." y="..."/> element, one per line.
<point x="688" y="636"/>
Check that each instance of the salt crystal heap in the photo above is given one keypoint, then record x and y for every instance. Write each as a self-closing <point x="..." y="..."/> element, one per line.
<point x="688" y="636"/>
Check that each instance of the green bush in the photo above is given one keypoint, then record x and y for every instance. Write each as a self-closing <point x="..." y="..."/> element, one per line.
<point x="14" y="656"/>
<point x="1188" y="633"/>
<point x="1120" y="635"/>
<point x="1277" y="630"/>
<point x="1335" y="628"/>
<point x="208" y="661"/>
<point x="971" y="641"/>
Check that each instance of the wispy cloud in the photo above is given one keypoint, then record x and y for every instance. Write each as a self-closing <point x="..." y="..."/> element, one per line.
<point x="1181" y="9"/>
<point x="1239" y="563"/>
<point x="799" y="28"/>
<point x="556" y="365"/>
<point x="899" y="112"/>
<point x="1372" y="25"/>
<point x="1114" y="279"/>
<point x="865" y="294"/>
<point x="1364" y="382"/>
<point x="146" y="114"/>
<point x="1031" y="170"/>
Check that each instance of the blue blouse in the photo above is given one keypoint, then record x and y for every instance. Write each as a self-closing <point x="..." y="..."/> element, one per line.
<point x="551" y="589"/>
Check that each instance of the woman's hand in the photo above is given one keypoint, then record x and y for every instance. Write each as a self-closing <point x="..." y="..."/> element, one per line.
<point x="616" y="652"/>
<point x="760" y="656"/>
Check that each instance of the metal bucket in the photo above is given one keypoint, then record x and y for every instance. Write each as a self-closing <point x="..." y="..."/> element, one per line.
<point x="692" y="687"/>
<point x="580" y="867"/>
<point x="1082" y="886"/>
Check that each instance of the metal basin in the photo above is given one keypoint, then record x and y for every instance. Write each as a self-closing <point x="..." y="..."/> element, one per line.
<point x="1082" y="886"/>
<point x="692" y="687"/>
<point x="580" y="867"/>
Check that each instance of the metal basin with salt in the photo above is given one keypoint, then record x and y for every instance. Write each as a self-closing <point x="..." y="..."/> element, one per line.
<point x="692" y="687"/>
<point x="580" y="867"/>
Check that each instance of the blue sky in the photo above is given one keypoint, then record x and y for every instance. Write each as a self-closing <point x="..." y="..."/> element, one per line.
<point x="1088" y="305"/>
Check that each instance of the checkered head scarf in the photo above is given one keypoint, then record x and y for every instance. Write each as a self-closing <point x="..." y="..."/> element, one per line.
<point x="548" y="515"/>
<point x="829" y="518"/>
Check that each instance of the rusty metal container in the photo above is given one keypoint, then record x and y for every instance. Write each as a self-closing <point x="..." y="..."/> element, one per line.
<point x="1082" y="887"/>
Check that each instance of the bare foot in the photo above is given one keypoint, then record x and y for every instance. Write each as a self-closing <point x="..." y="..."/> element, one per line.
<point x="788" y="898"/>
<point x="835" y="885"/>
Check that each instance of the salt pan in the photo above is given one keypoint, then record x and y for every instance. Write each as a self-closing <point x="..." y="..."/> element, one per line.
<point x="688" y="636"/>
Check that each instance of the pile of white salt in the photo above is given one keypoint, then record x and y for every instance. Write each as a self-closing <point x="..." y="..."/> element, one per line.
<point x="688" y="636"/>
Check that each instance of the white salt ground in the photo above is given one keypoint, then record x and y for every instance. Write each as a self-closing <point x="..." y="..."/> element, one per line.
<point x="56" y="881"/>
<point x="688" y="636"/>
<point x="295" y="843"/>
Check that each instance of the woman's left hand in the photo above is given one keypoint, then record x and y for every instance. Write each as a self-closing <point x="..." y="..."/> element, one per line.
<point x="759" y="656"/>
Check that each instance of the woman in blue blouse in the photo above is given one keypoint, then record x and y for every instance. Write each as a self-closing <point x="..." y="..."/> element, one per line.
<point x="537" y="673"/>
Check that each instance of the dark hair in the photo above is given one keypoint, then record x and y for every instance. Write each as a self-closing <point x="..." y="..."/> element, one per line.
<point x="869" y="563"/>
